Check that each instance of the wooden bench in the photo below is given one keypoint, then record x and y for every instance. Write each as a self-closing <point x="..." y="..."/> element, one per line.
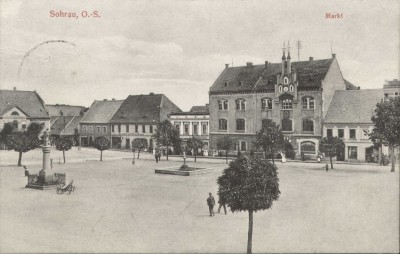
<point x="66" y="188"/>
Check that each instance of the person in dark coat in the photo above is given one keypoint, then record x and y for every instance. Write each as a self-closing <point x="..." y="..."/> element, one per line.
<point x="222" y="203"/>
<point x="211" y="204"/>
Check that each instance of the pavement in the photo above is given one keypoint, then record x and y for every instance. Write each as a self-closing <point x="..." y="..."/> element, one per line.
<point x="120" y="207"/>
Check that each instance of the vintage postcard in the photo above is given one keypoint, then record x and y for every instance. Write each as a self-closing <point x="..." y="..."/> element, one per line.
<point x="189" y="126"/>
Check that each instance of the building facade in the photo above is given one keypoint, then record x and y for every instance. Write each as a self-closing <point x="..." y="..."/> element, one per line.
<point x="96" y="122"/>
<point x="138" y="117"/>
<point x="194" y="123"/>
<point x="391" y="89"/>
<point x="294" y="95"/>
<point x="21" y="108"/>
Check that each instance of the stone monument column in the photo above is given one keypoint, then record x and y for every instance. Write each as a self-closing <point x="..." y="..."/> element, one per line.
<point x="46" y="148"/>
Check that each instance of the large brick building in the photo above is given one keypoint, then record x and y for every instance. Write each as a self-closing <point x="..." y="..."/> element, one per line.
<point x="295" y="95"/>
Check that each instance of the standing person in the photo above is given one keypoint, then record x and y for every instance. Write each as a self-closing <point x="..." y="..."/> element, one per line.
<point x="222" y="203"/>
<point x="211" y="204"/>
<point x="156" y="155"/>
<point x="159" y="155"/>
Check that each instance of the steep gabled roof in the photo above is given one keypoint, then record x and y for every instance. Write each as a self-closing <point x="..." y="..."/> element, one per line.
<point x="102" y="111"/>
<point x="144" y="109"/>
<point x="195" y="110"/>
<point x="28" y="101"/>
<point x="72" y="125"/>
<point x="59" y="124"/>
<point x="353" y="106"/>
<point x="68" y="110"/>
<point x="258" y="78"/>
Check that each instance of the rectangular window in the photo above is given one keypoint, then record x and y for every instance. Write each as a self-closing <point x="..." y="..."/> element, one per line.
<point x="143" y="128"/>
<point x="266" y="103"/>
<point x="329" y="133"/>
<point x="104" y="129"/>
<point x="127" y="128"/>
<point x="341" y="133"/>
<point x="136" y="128"/>
<point x="223" y="124"/>
<point x="112" y="128"/>
<point x="84" y="129"/>
<point x="98" y="129"/>
<point x="151" y="128"/>
<point x="223" y="105"/>
<point x="352" y="152"/>
<point x="119" y="128"/>
<point x="287" y="104"/>
<point x="240" y="124"/>
<point x="186" y="129"/>
<point x="195" y="129"/>
<point x="204" y="129"/>
<point x="178" y="126"/>
<point x="352" y="133"/>
<point x="240" y="104"/>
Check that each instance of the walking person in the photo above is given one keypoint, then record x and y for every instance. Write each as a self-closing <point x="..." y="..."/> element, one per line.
<point x="211" y="204"/>
<point x="222" y="203"/>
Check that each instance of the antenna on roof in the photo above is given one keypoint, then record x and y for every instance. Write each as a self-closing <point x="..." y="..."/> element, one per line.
<point x="298" y="50"/>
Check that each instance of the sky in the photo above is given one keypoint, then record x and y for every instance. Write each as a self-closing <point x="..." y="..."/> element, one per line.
<point x="179" y="47"/>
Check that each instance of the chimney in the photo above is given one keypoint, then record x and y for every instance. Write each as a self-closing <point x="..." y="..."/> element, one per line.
<point x="333" y="55"/>
<point x="311" y="58"/>
<point x="226" y="66"/>
<point x="249" y="64"/>
<point x="15" y="89"/>
<point x="104" y="99"/>
<point x="151" y="93"/>
<point x="113" y="99"/>
<point x="358" y="88"/>
<point x="266" y="64"/>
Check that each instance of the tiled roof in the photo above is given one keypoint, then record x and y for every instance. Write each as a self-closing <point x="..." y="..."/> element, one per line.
<point x="258" y="78"/>
<point x="59" y="124"/>
<point x="102" y="111"/>
<point x="54" y="110"/>
<point x="72" y="125"/>
<point x="28" y="101"/>
<point x="353" y="106"/>
<point x="349" y="85"/>
<point x="150" y="108"/>
<point x="202" y="109"/>
<point x="195" y="110"/>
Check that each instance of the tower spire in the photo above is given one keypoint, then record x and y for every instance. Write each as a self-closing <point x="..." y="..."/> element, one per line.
<point x="283" y="49"/>
<point x="288" y="54"/>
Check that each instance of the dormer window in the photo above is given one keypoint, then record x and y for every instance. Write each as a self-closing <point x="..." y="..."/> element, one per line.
<point x="240" y="83"/>
<point x="280" y="89"/>
<point x="285" y="80"/>
<point x="226" y="84"/>
<point x="291" y="88"/>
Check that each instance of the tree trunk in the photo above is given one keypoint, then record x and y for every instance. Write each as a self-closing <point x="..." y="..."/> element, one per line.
<point x="226" y="156"/>
<point x="101" y="155"/>
<point x="393" y="159"/>
<point x="19" y="159"/>
<point x="195" y="154"/>
<point x="167" y="152"/>
<point x="330" y="158"/>
<point x="250" y="233"/>
<point x="138" y="154"/>
<point x="64" y="156"/>
<point x="272" y="152"/>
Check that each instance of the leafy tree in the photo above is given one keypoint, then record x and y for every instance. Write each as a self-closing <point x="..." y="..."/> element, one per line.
<point x="23" y="142"/>
<point x="64" y="144"/>
<point x="139" y="143"/>
<point x="387" y="126"/>
<point x="288" y="148"/>
<point x="225" y="143"/>
<point x="101" y="143"/>
<point x="167" y="135"/>
<point x="269" y="138"/>
<point x="195" y="143"/>
<point x="331" y="146"/>
<point x="249" y="184"/>
<point x="5" y="133"/>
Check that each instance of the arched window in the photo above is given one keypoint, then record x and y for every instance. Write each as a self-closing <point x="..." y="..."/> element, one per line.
<point x="223" y="105"/>
<point x="308" y="147"/>
<point x="291" y="88"/>
<point x="266" y="103"/>
<point x="222" y="124"/>
<point x="280" y="88"/>
<point x="308" y="102"/>
<point x="240" y="124"/>
<point x="287" y="124"/>
<point x="287" y="104"/>
<point x="308" y="125"/>
<point x="241" y="145"/>
<point x="15" y="113"/>
<point x="285" y="80"/>
<point x="240" y="104"/>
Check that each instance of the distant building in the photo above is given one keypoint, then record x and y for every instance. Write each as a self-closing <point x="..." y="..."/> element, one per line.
<point x="194" y="123"/>
<point x="64" y="120"/>
<point x="391" y="88"/>
<point x="22" y="108"/>
<point x="348" y="117"/>
<point x="294" y="95"/>
<point x="96" y="121"/>
<point x="138" y="117"/>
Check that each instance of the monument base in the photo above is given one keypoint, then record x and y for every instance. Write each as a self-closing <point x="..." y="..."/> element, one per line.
<point x="42" y="181"/>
